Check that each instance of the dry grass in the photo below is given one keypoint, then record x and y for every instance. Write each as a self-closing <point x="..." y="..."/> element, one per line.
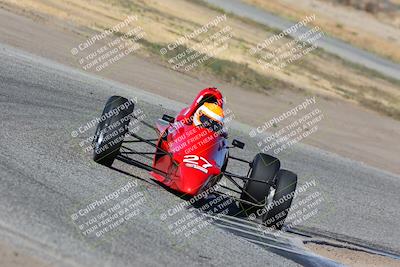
<point x="377" y="33"/>
<point x="166" y="20"/>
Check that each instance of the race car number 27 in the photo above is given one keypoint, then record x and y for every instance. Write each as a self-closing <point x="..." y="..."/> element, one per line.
<point x="196" y="162"/>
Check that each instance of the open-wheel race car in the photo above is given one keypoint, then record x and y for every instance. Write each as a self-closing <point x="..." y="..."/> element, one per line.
<point x="191" y="154"/>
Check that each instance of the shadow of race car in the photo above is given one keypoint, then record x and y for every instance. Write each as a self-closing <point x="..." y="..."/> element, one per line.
<point x="192" y="159"/>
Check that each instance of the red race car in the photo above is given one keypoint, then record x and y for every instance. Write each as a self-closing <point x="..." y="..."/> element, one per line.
<point x="191" y="153"/>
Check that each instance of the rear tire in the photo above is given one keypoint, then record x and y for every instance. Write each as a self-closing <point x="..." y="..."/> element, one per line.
<point x="264" y="168"/>
<point x="112" y="129"/>
<point x="285" y="185"/>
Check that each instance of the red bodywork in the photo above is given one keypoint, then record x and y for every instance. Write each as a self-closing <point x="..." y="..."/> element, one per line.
<point x="197" y="155"/>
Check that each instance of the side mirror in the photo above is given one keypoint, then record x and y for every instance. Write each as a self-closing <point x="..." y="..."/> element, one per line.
<point x="237" y="144"/>
<point x="168" y="118"/>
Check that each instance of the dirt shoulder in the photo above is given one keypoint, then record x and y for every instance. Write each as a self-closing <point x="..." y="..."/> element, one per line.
<point x="12" y="257"/>
<point x="353" y="258"/>
<point x="347" y="129"/>
<point x="373" y="26"/>
<point x="280" y="65"/>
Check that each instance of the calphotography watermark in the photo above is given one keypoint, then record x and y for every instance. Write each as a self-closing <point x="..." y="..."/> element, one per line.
<point x="210" y="41"/>
<point x="204" y="29"/>
<point x="107" y="115"/>
<point x="191" y="217"/>
<point x="185" y="204"/>
<point x="98" y="37"/>
<point x="276" y="37"/>
<point x="276" y="56"/>
<point x="277" y="119"/>
<point x="199" y="219"/>
<point x="306" y="203"/>
<point x="282" y="132"/>
<point x="115" y="124"/>
<point x="197" y="138"/>
<point x="97" y="54"/>
<point x="106" y="214"/>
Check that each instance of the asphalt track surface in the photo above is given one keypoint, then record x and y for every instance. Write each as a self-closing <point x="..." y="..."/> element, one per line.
<point x="330" y="44"/>
<point x="46" y="177"/>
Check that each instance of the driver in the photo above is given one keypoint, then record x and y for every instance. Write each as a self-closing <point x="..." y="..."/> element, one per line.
<point x="209" y="115"/>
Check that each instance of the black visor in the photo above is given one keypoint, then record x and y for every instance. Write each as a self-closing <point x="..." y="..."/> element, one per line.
<point x="210" y="123"/>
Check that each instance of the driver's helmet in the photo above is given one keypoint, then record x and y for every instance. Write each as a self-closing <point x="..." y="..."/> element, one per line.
<point x="209" y="115"/>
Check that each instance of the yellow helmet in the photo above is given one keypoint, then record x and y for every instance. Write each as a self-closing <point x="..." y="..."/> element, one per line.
<point x="209" y="115"/>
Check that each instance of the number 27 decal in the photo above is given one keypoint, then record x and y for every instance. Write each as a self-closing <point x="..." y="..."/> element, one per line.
<point x="192" y="161"/>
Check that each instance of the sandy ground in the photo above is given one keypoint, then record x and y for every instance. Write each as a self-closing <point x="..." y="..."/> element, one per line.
<point x="348" y="130"/>
<point x="357" y="27"/>
<point x="165" y="21"/>
<point x="12" y="257"/>
<point x="353" y="258"/>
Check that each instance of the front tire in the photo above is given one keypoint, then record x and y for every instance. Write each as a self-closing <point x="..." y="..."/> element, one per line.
<point x="285" y="186"/>
<point x="264" y="168"/>
<point x="111" y="130"/>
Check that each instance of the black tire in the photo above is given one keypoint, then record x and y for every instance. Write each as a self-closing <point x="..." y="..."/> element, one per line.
<point x="264" y="168"/>
<point x="112" y="129"/>
<point x="285" y="186"/>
